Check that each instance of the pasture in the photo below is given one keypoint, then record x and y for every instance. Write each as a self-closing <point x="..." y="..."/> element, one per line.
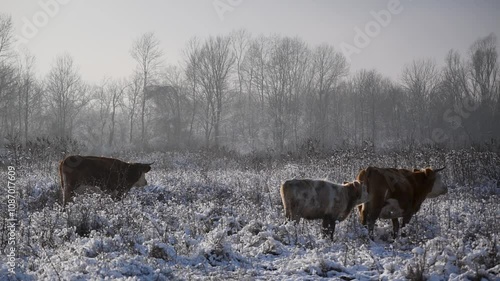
<point x="220" y="217"/>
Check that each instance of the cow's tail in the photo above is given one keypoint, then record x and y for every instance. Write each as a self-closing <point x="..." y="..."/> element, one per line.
<point x="284" y="199"/>
<point x="61" y="175"/>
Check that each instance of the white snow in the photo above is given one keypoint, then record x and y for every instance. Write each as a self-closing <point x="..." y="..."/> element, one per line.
<point x="220" y="220"/>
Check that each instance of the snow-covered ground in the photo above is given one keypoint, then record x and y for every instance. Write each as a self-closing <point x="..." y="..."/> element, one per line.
<point x="220" y="218"/>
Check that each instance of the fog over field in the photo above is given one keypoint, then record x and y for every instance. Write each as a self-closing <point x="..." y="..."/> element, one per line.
<point x="227" y="100"/>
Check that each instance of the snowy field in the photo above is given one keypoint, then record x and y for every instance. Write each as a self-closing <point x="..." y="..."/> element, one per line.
<point x="216" y="218"/>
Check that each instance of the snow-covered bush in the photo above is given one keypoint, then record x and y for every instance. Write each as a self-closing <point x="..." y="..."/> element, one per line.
<point x="205" y="217"/>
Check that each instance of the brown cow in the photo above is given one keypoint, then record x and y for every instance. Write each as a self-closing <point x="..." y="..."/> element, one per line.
<point x="319" y="199"/>
<point x="113" y="176"/>
<point x="396" y="193"/>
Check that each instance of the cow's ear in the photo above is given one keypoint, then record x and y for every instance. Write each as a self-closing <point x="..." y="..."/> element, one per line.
<point x="345" y="182"/>
<point x="369" y="171"/>
<point x="429" y="172"/>
<point x="146" y="167"/>
<point x="361" y="174"/>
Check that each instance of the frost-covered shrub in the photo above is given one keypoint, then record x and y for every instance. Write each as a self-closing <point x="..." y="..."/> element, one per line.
<point x="205" y="216"/>
<point x="162" y="251"/>
<point x="87" y="216"/>
<point x="417" y="268"/>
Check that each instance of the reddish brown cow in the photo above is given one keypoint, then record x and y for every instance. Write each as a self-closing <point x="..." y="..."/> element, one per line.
<point x="113" y="176"/>
<point x="396" y="193"/>
<point x="319" y="199"/>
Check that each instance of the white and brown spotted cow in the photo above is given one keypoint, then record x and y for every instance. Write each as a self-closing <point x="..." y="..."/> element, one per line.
<point x="113" y="176"/>
<point x="397" y="193"/>
<point x="319" y="199"/>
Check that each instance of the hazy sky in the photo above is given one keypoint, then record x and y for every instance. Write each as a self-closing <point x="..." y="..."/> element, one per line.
<point x="99" y="34"/>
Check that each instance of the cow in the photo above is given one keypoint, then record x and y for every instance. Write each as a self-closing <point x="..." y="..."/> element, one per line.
<point x="113" y="176"/>
<point x="397" y="193"/>
<point x="319" y="199"/>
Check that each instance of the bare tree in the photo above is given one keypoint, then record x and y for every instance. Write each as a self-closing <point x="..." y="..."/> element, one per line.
<point x="258" y="59"/>
<point x="216" y="60"/>
<point x="170" y="107"/>
<point x="101" y="103"/>
<point x="192" y="60"/>
<point x="132" y="94"/>
<point x="285" y="79"/>
<point x="420" y="79"/>
<point x="366" y="90"/>
<point x="8" y="79"/>
<point x="253" y="72"/>
<point x="147" y="53"/>
<point x="29" y="93"/>
<point x="484" y="66"/>
<point x="484" y="72"/>
<point x="456" y="89"/>
<point x="6" y="37"/>
<point x="8" y="99"/>
<point x="240" y="40"/>
<point x="244" y="118"/>
<point x="327" y="68"/>
<point x="455" y="81"/>
<point x="116" y="91"/>
<point x="67" y="94"/>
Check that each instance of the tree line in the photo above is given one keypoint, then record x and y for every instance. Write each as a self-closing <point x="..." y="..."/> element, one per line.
<point x="252" y="93"/>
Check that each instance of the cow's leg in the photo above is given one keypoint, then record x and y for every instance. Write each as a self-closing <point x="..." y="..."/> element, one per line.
<point x="68" y="186"/>
<point x="117" y="195"/>
<point x="371" y="226"/>
<point x="293" y="216"/>
<point x="332" y="229"/>
<point x="372" y="215"/>
<point x="328" y="227"/>
<point x="68" y="192"/>
<point x="288" y="216"/>
<point x="395" y="227"/>
<point x="291" y="211"/>
<point x="362" y="213"/>
<point x="406" y="220"/>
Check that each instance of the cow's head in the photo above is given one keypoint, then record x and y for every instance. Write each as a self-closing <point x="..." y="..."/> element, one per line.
<point x="361" y="191"/>
<point x="438" y="188"/>
<point x="137" y="174"/>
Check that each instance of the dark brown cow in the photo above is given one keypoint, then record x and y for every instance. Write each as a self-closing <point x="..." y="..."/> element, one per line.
<point x="319" y="199"/>
<point x="396" y="193"/>
<point x="113" y="176"/>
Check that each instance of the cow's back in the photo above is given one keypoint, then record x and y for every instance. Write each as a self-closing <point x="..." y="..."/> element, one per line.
<point x="91" y="171"/>
<point x="307" y="198"/>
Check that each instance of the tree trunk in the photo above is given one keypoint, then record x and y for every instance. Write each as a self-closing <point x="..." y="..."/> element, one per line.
<point x="143" y="110"/>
